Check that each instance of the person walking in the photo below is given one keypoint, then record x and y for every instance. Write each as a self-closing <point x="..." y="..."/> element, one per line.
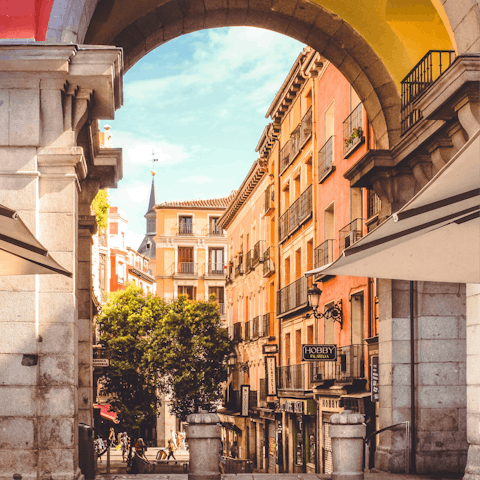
<point x="140" y="448"/>
<point x="111" y="437"/>
<point x="124" y="446"/>
<point x="171" y="449"/>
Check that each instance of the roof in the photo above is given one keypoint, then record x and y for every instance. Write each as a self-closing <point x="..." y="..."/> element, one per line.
<point x="151" y="203"/>
<point x="219" y="203"/>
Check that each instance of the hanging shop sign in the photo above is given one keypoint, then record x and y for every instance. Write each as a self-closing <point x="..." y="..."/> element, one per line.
<point x="270" y="348"/>
<point x="271" y="375"/>
<point x="319" y="352"/>
<point x="245" y="398"/>
<point x="100" y="362"/>
<point x="375" y="376"/>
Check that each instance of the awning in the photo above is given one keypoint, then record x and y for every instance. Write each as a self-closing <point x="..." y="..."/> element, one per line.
<point x="20" y="252"/>
<point x="434" y="237"/>
<point x="104" y="412"/>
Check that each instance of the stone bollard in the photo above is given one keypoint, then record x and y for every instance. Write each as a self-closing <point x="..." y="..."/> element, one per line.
<point x="347" y="431"/>
<point x="203" y="436"/>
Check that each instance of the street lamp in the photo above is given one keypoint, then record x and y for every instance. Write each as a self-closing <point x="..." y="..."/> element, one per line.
<point x="334" y="312"/>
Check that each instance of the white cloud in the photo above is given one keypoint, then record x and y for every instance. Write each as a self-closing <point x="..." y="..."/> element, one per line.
<point x="196" y="179"/>
<point x="138" y="193"/>
<point x="133" y="239"/>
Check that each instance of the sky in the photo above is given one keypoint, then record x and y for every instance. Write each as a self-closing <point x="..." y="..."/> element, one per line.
<point x="198" y="103"/>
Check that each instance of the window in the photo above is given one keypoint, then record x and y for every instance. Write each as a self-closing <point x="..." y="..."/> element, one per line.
<point x="218" y="292"/>
<point x="189" y="290"/>
<point x="298" y="263"/>
<point x="310" y="334"/>
<point x="356" y="203"/>
<point x="215" y="261"/>
<point x="120" y="272"/>
<point x="354" y="99"/>
<point x="287" y="270"/>
<point x="298" y="346"/>
<point x="310" y="255"/>
<point x="329" y="222"/>
<point x="329" y="122"/>
<point x="185" y="225"/>
<point x="287" y="349"/>
<point x="185" y="260"/>
<point x="103" y="272"/>
<point x="214" y="229"/>
<point x="308" y="164"/>
<point x="329" y="326"/>
<point x="297" y="187"/>
<point x="357" y="315"/>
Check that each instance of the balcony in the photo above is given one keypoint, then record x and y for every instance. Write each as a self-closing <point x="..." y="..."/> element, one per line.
<point x="349" y="366"/>
<point x="229" y="275"/>
<point x="215" y="231"/>
<point x="248" y="335"/>
<point x="239" y="268"/>
<point x="237" y="332"/>
<point x="293" y="296"/>
<point x="269" y="199"/>
<point x="269" y="262"/>
<point x="351" y="233"/>
<point x="323" y="254"/>
<point x="434" y="64"/>
<point x="297" y="140"/>
<point x="186" y="268"/>
<point x="257" y="255"/>
<point x="296" y="215"/>
<point x="248" y="262"/>
<point x="266" y="321"/>
<point x="185" y="229"/>
<point x="292" y="377"/>
<point x="216" y="269"/>
<point x="353" y="135"/>
<point x="326" y="164"/>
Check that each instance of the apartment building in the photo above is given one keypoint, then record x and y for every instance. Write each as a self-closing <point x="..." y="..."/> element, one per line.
<point x="297" y="208"/>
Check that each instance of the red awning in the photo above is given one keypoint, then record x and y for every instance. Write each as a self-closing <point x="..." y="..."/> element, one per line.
<point x="104" y="412"/>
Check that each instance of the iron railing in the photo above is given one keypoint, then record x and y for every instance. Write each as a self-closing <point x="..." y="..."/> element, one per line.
<point x="422" y="76"/>
<point x="296" y="215"/>
<point x="269" y="262"/>
<point x="256" y="327"/>
<point x="185" y="229"/>
<point x="325" y="159"/>
<point x="293" y="296"/>
<point x="351" y="233"/>
<point x="323" y="254"/>
<point x="239" y="268"/>
<point x="265" y="324"/>
<point x="257" y="255"/>
<point x="215" y="231"/>
<point x="269" y="195"/>
<point x="297" y="140"/>
<point x="350" y="365"/>
<point x="248" y="261"/>
<point x="187" y="268"/>
<point x="216" y="268"/>
<point x="237" y="332"/>
<point x="247" y="333"/>
<point x="353" y="130"/>
<point x="291" y="377"/>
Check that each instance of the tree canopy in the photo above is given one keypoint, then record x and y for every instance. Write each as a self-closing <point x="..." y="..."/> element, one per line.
<point x="100" y="206"/>
<point x="176" y="348"/>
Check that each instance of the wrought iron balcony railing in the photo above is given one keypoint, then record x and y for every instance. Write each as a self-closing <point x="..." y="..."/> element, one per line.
<point x="216" y="268"/>
<point x="247" y="334"/>
<point x="248" y="262"/>
<point x="239" y="268"/>
<point x="351" y="233"/>
<point x="187" y="268"/>
<point x="185" y="229"/>
<point x="353" y="134"/>
<point x="215" y="231"/>
<point x="325" y="159"/>
<point x="257" y="255"/>
<point x="256" y="327"/>
<point x="293" y="296"/>
<point x="423" y="75"/>
<point x="350" y="365"/>
<point x="323" y="254"/>
<point x="269" y="262"/>
<point x="297" y="140"/>
<point x="296" y="215"/>
<point x="292" y="377"/>
<point x="266" y="321"/>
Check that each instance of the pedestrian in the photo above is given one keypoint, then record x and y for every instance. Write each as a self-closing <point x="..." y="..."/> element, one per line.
<point x="173" y="437"/>
<point x="171" y="449"/>
<point x="111" y="437"/>
<point x="179" y="439"/>
<point x="140" y="448"/>
<point x="124" y="445"/>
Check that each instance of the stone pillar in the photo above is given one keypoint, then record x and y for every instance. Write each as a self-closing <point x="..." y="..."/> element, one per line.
<point x="439" y="392"/>
<point x="472" y="470"/>
<point x="41" y="168"/>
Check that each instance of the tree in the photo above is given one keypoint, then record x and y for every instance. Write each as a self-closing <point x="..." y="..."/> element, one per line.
<point x="189" y="349"/>
<point x="126" y="323"/>
<point x="100" y="206"/>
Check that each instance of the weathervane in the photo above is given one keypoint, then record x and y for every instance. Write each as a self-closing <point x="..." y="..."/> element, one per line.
<point x="153" y="162"/>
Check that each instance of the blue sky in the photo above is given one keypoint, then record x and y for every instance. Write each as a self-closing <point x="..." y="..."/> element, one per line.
<point x="199" y="102"/>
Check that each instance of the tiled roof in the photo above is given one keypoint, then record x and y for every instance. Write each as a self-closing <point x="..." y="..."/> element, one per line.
<point x="220" y="202"/>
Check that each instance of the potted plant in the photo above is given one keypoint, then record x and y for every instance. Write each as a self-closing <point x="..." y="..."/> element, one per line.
<point x="357" y="132"/>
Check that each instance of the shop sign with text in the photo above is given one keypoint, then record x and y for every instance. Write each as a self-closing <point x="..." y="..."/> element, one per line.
<point x="375" y="376"/>
<point x="319" y="352"/>
<point x="271" y="375"/>
<point x="245" y="398"/>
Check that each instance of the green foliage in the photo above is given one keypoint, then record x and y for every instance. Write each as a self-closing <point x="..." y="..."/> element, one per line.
<point x="176" y="348"/>
<point x="100" y="206"/>
<point x="126" y="322"/>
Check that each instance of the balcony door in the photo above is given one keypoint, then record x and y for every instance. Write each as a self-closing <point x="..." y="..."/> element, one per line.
<point x="215" y="261"/>
<point x="189" y="290"/>
<point x="185" y="260"/>
<point x="185" y="224"/>
<point x="218" y="292"/>
<point x="214" y="228"/>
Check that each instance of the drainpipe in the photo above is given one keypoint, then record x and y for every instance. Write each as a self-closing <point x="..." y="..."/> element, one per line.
<point x="412" y="383"/>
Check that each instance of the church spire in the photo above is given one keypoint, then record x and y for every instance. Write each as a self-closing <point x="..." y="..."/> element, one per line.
<point x="152" y="201"/>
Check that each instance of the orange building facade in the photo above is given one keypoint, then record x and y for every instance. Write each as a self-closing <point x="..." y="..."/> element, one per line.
<point x="294" y="212"/>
